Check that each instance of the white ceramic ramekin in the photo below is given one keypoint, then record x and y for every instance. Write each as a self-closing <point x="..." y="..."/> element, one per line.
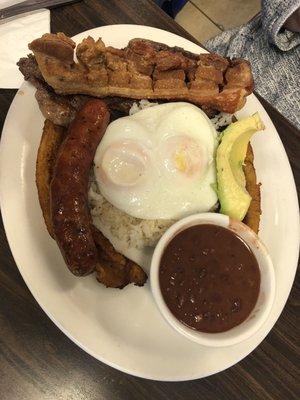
<point x="267" y="285"/>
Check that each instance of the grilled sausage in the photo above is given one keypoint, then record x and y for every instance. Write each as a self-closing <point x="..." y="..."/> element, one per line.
<point x="68" y="192"/>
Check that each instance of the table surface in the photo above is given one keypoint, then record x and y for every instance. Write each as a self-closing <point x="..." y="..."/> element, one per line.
<point x="37" y="361"/>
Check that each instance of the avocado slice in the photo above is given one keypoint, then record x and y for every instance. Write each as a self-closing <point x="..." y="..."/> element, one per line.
<point x="234" y="198"/>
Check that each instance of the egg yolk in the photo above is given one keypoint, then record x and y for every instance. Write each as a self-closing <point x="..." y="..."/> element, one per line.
<point x="184" y="155"/>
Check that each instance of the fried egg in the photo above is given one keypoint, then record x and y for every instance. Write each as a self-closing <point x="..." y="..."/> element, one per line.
<point x="159" y="162"/>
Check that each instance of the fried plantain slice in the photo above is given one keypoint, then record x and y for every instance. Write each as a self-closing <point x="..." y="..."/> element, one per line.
<point x="118" y="276"/>
<point x="51" y="140"/>
<point x="114" y="269"/>
<point x="252" y="217"/>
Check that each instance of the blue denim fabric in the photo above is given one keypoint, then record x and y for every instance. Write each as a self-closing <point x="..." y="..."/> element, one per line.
<point x="274" y="53"/>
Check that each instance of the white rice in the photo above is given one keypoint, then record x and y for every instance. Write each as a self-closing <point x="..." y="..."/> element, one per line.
<point x="134" y="232"/>
<point x="221" y="120"/>
<point x="138" y="106"/>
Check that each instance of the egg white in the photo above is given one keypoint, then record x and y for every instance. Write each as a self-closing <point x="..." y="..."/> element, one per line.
<point x="147" y="164"/>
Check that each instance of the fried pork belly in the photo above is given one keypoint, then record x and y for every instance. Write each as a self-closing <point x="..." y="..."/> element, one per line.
<point x="61" y="109"/>
<point x="30" y="70"/>
<point x="144" y="69"/>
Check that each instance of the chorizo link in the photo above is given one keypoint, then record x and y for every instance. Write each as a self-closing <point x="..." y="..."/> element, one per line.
<point x="69" y="186"/>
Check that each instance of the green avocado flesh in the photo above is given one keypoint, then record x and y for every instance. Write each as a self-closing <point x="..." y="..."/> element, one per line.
<point x="233" y="196"/>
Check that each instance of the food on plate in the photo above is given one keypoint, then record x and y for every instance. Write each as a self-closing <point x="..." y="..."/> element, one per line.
<point x="110" y="187"/>
<point x="142" y="70"/>
<point x="138" y="232"/>
<point x="233" y="196"/>
<point x="205" y="286"/>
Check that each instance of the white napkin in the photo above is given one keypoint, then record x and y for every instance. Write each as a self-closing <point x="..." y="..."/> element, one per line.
<point x="15" y="34"/>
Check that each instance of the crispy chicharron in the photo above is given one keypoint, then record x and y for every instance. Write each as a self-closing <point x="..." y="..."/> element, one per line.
<point x="142" y="70"/>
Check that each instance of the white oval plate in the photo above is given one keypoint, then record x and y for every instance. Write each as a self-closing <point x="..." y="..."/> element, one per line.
<point x="123" y="328"/>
